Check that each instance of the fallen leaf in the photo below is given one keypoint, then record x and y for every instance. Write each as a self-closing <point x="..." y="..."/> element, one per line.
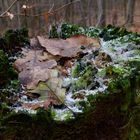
<point x="33" y="68"/>
<point x="69" y="47"/>
<point x="50" y="90"/>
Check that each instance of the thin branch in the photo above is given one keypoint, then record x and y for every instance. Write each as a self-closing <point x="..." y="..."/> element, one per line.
<point x="41" y="14"/>
<point x="65" y="6"/>
<point x="59" y="99"/>
<point x="56" y="10"/>
<point x="51" y="8"/>
<point x="8" y="8"/>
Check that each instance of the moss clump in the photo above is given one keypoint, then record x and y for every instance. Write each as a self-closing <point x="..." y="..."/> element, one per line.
<point x="25" y="126"/>
<point x="9" y="92"/>
<point x="105" y="110"/>
<point x="53" y="32"/>
<point x="69" y="30"/>
<point x="111" y="32"/>
<point x="6" y="71"/>
<point x="65" y="31"/>
<point x="4" y="66"/>
<point x="117" y="72"/>
<point x="135" y="64"/>
<point x="119" y="79"/>
<point x="13" y="40"/>
<point x="86" y="78"/>
<point x="4" y="110"/>
<point x="93" y="31"/>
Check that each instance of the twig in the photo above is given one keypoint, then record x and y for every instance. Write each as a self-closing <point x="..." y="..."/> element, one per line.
<point x="55" y="96"/>
<point x="51" y="8"/>
<point x="56" y="10"/>
<point x="43" y="13"/>
<point x="8" y="8"/>
<point x="59" y="99"/>
<point x="64" y="6"/>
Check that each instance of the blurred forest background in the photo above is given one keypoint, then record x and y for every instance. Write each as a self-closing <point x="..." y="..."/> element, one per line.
<point x="38" y="15"/>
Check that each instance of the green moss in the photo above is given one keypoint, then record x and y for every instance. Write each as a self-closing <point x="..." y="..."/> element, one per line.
<point x="111" y="32"/>
<point x="66" y="30"/>
<point x="135" y="64"/>
<point x="113" y="87"/>
<point x="6" y="71"/>
<point x="76" y="71"/>
<point x="86" y="78"/>
<point x="105" y="111"/>
<point x="116" y="72"/>
<point x="13" y="40"/>
<point x="4" y="67"/>
<point x="9" y="85"/>
<point x="93" y="31"/>
<point x="4" y="110"/>
<point x="53" y="32"/>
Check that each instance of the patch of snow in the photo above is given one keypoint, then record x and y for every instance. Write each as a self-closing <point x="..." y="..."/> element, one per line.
<point x="22" y="109"/>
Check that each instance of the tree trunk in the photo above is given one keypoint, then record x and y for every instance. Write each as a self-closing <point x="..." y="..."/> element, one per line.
<point x="101" y="21"/>
<point x="114" y="13"/>
<point x="82" y="12"/>
<point x="89" y="12"/>
<point x="130" y="12"/>
<point x="18" y="17"/>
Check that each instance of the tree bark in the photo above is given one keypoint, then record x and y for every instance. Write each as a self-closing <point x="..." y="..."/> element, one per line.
<point x="89" y="12"/>
<point x="82" y="12"/>
<point x="101" y="21"/>
<point x="114" y="12"/>
<point x="130" y="12"/>
<point x="18" y="11"/>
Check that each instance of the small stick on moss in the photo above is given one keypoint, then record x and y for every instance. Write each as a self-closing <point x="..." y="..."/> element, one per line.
<point x="60" y="99"/>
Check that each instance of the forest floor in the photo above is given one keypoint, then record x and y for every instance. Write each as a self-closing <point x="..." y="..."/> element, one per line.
<point x="71" y="85"/>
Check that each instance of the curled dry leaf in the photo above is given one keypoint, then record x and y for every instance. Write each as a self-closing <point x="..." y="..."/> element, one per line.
<point x="69" y="47"/>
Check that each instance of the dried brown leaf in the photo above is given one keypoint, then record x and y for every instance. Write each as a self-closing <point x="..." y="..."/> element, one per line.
<point x="69" y="47"/>
<point x="33" y="68"/>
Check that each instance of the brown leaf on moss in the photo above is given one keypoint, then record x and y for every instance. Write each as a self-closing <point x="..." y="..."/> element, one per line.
<point x="33" y="68"/>
<point x="69" y="47"/>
